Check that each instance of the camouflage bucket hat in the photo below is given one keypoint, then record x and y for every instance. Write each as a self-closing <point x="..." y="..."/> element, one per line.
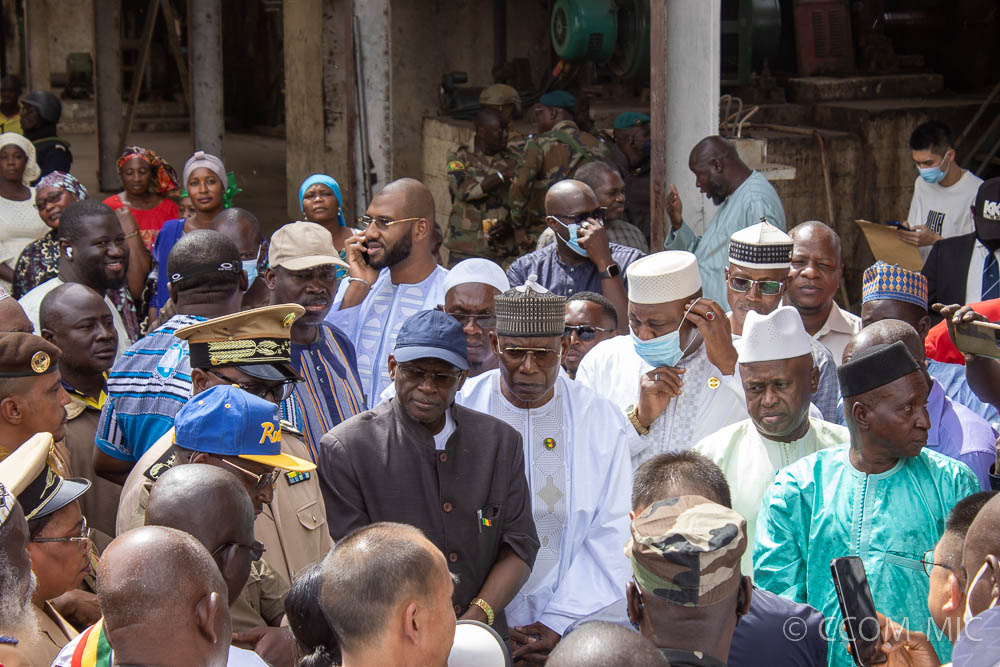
<point x="687" y="550"/>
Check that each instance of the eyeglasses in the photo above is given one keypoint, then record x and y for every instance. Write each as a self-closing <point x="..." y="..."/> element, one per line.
<point x="584" y="332"/>
<point x="84" y="536"/>
<point x="262" y="481"/>
<point x="766" y="287"/>
<point x="274" y="394"/>
<point x="542" y="356"/>
<point x="418" y="376"/>
<point x="929" y="564"/>
<point x="256" y="549"/>
<point x="482" y="320"/>
<point x="41" y="203"/>
<point x="597" y="215"/>
<point x="381" y="222"/>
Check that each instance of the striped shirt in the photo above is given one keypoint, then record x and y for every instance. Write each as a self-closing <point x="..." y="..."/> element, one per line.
<point x="147" y="386"/>
<point x="330" y="391"/>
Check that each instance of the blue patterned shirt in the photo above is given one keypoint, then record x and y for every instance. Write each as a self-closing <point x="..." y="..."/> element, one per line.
<point x="147" y="386"/>
<point x="330" y="391"/>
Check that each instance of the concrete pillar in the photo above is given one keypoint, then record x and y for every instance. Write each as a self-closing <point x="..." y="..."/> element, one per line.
<point x="303" y="39"/>
<point x="685" y="43"/>
<point x="375" y="91"/>
<point x="12" y="40"/>
<point x="36" y="44"/>
<point x="340" y="114"/>
<point x="108" y="89"/>
<point x="205" y="44"/>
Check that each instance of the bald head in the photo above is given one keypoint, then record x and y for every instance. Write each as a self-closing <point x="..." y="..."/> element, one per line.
<point x="602" y="644"/>
<point x="569" y="197"/>
<point x="816" y="232"/>
<point x="887" y="331"/>
<point x="66" y="300"/>
<point x="714" y="148"/>
<point x="182" y="597"/>
<point x="241" y="227"/>
<point x="417" y="199"/>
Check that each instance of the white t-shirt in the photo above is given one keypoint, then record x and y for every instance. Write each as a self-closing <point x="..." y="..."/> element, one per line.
<point x="944" y="210"/>
<point x="441" y="437"/>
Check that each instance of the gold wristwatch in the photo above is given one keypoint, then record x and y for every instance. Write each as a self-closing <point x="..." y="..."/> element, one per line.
<point x="487" y="609"/>
<point x="632" y="412"/>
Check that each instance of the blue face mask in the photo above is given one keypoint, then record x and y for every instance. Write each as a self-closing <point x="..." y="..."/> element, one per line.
<point x="250" y="266"/>
<point x="664" y="350"/>
<point x="574" y="239"/>
<point x="934" y="174"/>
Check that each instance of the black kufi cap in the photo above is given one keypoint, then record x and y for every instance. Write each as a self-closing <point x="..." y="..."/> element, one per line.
<point x="875" y="367"/>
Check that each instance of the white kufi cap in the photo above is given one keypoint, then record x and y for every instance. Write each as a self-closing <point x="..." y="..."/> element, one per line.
<point x="780" y="335"/>
<point x="761" y="246"/>
<point x="477" y="645"/>
<point x="477" y="270"/>
<point x="670" y="275"/>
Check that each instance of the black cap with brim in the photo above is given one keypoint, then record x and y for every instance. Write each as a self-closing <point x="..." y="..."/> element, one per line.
<point x="49" y="493"/>
<point x="276" y="372"/>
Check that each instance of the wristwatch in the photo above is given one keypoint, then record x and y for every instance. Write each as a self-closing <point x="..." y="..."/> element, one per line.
<point x="487" y="609"/>
<point x="632" y="412"/>
<point x="613" y="271"/>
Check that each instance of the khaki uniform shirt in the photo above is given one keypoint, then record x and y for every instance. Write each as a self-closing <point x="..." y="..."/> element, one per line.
<point x="100" y="503"/>
<point x="54" y="633"/>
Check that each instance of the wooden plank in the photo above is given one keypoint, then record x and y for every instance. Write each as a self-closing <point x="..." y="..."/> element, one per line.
<point x="658" y="126"/>
<point x="152" y="10"/>
<point x="173" y="35"/>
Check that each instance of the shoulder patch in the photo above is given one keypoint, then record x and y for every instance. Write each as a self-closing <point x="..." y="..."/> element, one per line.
<point x="456" y="165"/>
<point x="162" y="464"/>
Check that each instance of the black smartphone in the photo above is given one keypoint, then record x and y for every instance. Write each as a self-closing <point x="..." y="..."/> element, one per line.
<point x="364" y="254"/>
<point x="858" y="609"/>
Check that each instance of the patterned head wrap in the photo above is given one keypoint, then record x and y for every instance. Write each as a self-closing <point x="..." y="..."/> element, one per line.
<point x="888" y="281"/>
<point x="334" y="187"/>
<point x="31" y="169"/>
<point x="63" y="181"/>
<point x="164" y="181"/>
<point x="687" y="550"/>
<point x="530" y="311"/>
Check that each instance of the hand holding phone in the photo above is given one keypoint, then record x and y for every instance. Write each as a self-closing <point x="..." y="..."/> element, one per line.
<point x="858" y="609"/>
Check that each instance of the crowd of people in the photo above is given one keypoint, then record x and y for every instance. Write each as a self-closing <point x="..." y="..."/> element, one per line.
<point x="321" y="446"/>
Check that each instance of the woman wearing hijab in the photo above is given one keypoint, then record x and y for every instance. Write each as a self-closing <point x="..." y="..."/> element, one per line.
<point x="321" y="202"/>
<point x="211" y="190"/>
<point x="19" y="220"/>
<point x="148" y="181"/>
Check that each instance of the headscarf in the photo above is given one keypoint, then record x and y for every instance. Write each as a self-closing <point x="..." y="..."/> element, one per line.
<point x="164" y="181"/>
<point x="63" y="181"/>
<point x="31" y="169"/>
<point x="334" y="187"/>
<point x="203" y="159"/>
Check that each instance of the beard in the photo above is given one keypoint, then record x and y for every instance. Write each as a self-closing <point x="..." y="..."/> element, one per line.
<point x="395" y="254"/>
<point x="16" y="616"/>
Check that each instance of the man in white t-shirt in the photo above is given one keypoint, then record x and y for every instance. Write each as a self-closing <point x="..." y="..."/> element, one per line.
<point x="943" y="192"/>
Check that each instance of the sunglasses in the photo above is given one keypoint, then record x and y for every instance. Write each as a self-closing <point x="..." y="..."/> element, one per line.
<point x="482" y="320"/>
<point x="256" y="549"/>
<point x="381" y="222"/>
<point x="584" y="332"/>
<point x="418" y="376"/>
<point x="766" y="287"/>
<point x="516" y="356"/>
<point x="597" y="215"/>
<point x="260" y="481"/>
<point x="274" y="394"/>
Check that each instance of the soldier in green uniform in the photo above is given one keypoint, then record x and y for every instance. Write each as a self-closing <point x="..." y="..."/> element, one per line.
<point x="479" y="181"/>
<point x="632" y="134"/>
<point x="507" y="101"/>
<point x="555" y="152"/>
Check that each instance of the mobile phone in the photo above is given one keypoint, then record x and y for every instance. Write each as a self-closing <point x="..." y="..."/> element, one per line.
<point x="982" y="338"/>
<point x="364" y="254"/>
<point x="858" y="609"/>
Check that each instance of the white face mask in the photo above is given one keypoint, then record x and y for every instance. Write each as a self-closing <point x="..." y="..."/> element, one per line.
<point x="967" y="618"/>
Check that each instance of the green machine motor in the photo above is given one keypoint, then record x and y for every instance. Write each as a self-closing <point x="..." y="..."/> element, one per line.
<point x="584" y="29"/>
<point x="631" y="57"/>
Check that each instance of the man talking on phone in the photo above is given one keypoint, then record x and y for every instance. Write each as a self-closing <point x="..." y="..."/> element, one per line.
<point x="883" y="498"/>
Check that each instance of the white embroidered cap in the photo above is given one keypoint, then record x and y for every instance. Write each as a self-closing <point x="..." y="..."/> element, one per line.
<point x="780" y="335"/>
<point x="670" y="275"/>
<point x="761" y="246"/>
<point x="477" y="270"/>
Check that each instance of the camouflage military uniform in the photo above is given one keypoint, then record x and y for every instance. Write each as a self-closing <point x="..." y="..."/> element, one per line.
<point x="547" y="158"/>
<point x="471" y="206"/>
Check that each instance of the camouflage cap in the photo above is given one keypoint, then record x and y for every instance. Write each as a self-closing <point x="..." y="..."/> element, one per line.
<point x="687" y="550"/>
<point x="499" y="94"/>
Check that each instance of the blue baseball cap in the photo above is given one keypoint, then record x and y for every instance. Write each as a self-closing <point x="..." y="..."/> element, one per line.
<point x="431" y="334"/>
<point x="558" y="98"/>
<point x="227" y="421"/>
